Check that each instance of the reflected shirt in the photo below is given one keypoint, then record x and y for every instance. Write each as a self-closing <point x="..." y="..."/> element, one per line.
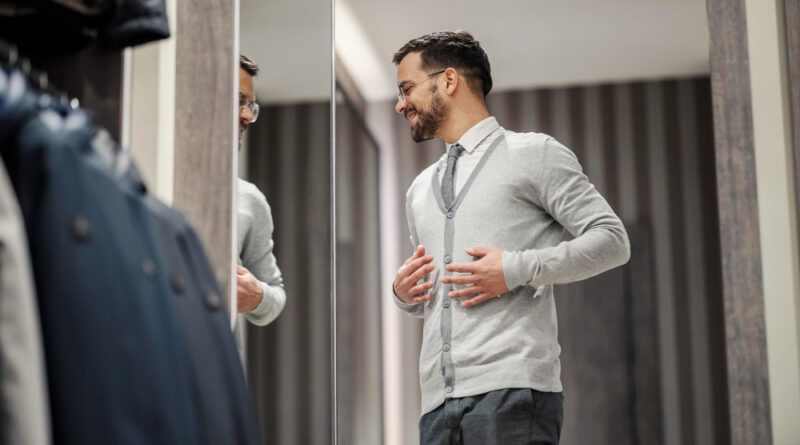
<point x="256" y="252"/>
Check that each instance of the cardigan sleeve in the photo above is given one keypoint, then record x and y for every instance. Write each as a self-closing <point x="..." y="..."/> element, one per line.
<point x="415" y="310"/>
<point x="600" y="240"/>
<point x="258" y="257"/>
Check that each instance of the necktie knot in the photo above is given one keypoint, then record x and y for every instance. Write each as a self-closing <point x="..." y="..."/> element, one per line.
<point x="455" y="150"/>
<point x="447" y="181"/>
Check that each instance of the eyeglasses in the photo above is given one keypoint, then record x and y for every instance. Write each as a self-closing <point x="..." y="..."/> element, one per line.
<point x="405" y="88"/>
<point x="246" y="104"/>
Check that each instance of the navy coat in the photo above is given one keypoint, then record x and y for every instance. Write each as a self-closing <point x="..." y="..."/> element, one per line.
<point x="138" y="348"/>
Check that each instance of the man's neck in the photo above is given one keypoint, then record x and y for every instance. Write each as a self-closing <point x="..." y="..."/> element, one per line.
<point x="460" y="122"/>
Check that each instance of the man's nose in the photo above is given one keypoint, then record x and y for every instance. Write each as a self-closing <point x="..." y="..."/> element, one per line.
<point x="246" y="115"/>
<point x="400" y="106"/>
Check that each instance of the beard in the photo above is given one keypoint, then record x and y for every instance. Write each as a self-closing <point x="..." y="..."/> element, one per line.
<point x="428" y="122"/>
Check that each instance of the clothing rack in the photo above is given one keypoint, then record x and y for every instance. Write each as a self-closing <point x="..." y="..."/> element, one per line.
<point x="11" y="57"/>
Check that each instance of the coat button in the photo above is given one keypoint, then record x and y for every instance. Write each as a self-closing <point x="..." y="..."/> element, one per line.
<point x="449" y="389"/>
<point x="451" y="214"/>
<point x="178" y="284"/>
<point x="149" y="267"/>
<point x="446" y="347"/>
<point x="213" y="300"/>
<point x="446" y="304"/>
<point x="448" y="259"/>
<point x="80" y="228"/>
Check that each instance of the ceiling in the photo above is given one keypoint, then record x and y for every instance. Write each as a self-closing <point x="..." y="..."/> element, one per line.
<point x="290" y="40"/>
<point x="530" y="43"/>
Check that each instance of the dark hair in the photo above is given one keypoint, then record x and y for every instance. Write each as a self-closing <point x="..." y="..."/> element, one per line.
<point x="456" y="49"/>
<point x="248" y="65"/>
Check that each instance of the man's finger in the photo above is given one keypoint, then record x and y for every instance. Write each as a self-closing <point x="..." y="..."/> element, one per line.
<point x="459" y="279"/>
<point x="477" y="251"/>
<point x="420" y="288"/>
<point x="420" y="252"/>
<point x="462" y="267"/>
<point x="465" y="292"/>
<point x="477" y="300"/>
<point x="420" y="299"/>
<point x="421" y="272"/>
<point x="416" y="264"/>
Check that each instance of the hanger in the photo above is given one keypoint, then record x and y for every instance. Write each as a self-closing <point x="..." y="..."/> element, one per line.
<point x="10" y="56"/>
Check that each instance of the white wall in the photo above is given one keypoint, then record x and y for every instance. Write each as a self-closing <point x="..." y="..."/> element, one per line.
<point x="776" y="208"/>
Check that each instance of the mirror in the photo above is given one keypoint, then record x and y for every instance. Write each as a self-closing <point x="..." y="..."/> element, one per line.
<point x="285" y="155"/>
<point x="625" y="87"/>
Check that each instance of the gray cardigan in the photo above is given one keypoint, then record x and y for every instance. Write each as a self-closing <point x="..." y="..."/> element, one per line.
<point x="255" y="252"/>
<point x="522" y="196"/>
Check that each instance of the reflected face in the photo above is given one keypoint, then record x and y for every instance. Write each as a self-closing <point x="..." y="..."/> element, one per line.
<point x="246" y="90"/>
<point x="421" y="103"/>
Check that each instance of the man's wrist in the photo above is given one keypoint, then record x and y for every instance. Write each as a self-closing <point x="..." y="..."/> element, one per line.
<point x="262" y="299"/>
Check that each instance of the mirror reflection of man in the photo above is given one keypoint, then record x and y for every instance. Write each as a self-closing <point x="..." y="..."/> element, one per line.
<point x="260" y="293"/>
<point x="487" y="222"/>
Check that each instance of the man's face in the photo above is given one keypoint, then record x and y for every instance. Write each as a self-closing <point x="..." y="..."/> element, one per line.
<point x="423" y="106"/>
<point x="247" y="93"/>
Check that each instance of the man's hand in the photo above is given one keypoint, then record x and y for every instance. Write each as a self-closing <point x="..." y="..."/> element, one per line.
<point x="485" y="276"/>
<point x="248" y="290"/>
<point x="405" y="283"/>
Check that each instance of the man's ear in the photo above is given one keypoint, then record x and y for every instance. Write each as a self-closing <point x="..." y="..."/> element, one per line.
<point x="451" y="79"/>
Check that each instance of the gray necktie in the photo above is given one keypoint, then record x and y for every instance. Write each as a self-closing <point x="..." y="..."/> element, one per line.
<point x="449" y="172"/>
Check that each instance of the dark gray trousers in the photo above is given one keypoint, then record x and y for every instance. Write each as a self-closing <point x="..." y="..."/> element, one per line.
<point x="516" y="416"/>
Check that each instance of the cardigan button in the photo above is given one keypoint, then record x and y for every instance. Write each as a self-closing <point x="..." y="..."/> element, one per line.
<point x="451" y="214"/>
<point x="448" y="259"/>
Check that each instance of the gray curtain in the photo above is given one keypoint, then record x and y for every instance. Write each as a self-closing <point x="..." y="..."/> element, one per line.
<point x="358" y="287"/>
<point x="289" y="372"/>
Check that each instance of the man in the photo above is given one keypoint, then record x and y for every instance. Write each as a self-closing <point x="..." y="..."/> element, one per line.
<point x="488" y="220"/>
<point x="260" y="293"/>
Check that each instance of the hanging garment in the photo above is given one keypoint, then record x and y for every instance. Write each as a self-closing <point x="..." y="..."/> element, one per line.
<point x="113" y="348"/>
<point x="74" y="24"/>
<point x="219" y="388"/>
<point x="24" y="412"/>
<point x="136" y="22"/>
<point x="135" y="329"/>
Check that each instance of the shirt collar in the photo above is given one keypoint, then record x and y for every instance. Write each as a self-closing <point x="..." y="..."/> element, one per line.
<point x="475" y="135"/>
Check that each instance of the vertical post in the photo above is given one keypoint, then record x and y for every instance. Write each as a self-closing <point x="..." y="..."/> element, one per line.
<point x="740" y="248"/>
<point x="205" y="128"/>
<point x="792" y="26"/>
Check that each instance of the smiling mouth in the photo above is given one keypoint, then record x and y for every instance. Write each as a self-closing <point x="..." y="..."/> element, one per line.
<point x="410" y="114"/>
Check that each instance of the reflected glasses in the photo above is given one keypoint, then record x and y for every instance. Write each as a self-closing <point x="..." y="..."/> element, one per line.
<point x="246" y="104"/>
<point x="405" y="88"/>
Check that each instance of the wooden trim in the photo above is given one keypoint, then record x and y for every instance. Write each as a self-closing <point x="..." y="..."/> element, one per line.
<point x="742" y="282"/>
<point x="205" y="126"/>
